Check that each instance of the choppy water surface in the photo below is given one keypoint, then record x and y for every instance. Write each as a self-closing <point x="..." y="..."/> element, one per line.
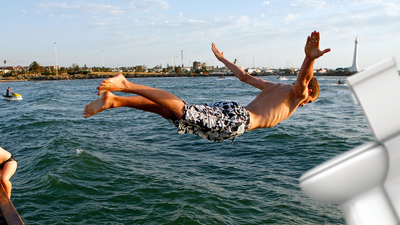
<point x="124" y="166"/>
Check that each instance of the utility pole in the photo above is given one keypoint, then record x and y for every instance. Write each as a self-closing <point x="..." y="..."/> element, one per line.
<point x="182" y="58"/>
<point x="55" y="48"/>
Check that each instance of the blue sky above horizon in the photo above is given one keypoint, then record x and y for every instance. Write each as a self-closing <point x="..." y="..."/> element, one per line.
<point x="152" y="32"/>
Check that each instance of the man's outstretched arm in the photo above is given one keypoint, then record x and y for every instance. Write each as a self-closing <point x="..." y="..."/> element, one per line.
<point x="240" y="73"/>
<point x="306" y="72"/>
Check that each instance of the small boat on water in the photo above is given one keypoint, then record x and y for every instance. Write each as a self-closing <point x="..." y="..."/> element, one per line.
<point x="13" y="97"/>
<point x="341" y="82"/>
<point x="281" y="78"/>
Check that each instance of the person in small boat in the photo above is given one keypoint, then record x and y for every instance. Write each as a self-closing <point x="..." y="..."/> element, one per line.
<point x="222" y="120"/>
<point x="8" y="165"/>
<point x="9" y="92"/>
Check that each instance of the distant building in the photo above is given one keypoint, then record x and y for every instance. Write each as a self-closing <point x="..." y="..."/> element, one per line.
<point x="4" y="69"/>
<point x="253" y="70"/>
<point x="199" y="65"/>
<point x="267" y="70"/>
<point x="287" y="71"/>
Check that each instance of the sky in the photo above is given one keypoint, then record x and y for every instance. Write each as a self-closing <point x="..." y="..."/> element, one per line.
<point x="258" y="33"/>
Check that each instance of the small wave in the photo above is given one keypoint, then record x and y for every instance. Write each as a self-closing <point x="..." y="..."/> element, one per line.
<point x="79" y="151"/>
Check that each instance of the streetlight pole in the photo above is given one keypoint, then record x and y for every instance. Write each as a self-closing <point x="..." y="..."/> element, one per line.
<point x="102" y="53"/>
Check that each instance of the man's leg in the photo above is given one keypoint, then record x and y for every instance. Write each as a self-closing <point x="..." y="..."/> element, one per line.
<point x="160" y="97"/>
<point x="8" y="170"/>
<point x="108" y="100"/>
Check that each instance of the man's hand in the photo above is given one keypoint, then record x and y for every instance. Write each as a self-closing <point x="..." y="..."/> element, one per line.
<point x="312" y="46"/>
<point x="217" y="53"/>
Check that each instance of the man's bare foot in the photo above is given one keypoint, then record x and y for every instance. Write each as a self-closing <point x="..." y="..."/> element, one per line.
<point x="100" y="104"/>
<point x="117" y="83"/>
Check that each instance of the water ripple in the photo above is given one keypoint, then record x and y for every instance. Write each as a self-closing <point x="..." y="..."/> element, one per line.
<point x="124" y="166"/>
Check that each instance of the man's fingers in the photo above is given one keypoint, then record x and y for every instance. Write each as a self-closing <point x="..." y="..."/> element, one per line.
<point x="327" y="50"/>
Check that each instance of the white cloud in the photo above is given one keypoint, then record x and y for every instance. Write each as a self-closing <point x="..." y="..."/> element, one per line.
<point x="265" y="3"/>
<point x="289" y="17"/>
<point x="66" y="16"/>
<point x="392" y="9"/>
<point x="363" y="17"/>
<point x="106" y="9"/>
<point x="147" y="5"/>
<point x="85" y="8"/>
<point x="315" y="4"/>
<point x="196" y="21"/>
<point x="243" y="19"/>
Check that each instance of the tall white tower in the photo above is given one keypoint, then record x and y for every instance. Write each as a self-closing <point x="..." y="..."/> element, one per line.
<point x="354" y="67"/>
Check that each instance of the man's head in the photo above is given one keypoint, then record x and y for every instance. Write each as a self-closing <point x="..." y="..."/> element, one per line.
<point x="313" y="92"/>
<point x="314" y="86"/>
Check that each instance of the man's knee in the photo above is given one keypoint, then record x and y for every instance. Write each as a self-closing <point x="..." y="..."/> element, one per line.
<point x="180" y="110"/>
<point x="4" y="180"/>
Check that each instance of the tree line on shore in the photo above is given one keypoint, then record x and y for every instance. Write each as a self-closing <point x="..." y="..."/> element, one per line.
<point x="37" y="72"/>
<point x="35" y="68"/>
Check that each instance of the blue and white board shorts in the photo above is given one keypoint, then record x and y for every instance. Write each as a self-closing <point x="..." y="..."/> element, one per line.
<point x="215" y="122"/>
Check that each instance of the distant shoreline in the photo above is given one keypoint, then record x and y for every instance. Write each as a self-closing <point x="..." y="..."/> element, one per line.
<point x="104" y="75"/>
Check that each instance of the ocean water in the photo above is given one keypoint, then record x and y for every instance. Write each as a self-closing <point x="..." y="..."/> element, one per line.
<point x="125" y="166"/>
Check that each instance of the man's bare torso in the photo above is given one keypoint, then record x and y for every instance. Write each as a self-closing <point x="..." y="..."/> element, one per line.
<point x="273" y="105"/>
<point x="276" y="102"/>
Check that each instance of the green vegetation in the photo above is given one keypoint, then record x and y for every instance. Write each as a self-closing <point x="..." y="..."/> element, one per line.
<point x="37" y="72"/>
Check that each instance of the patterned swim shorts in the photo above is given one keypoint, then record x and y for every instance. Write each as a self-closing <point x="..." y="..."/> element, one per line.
<point x="215" y="122"/>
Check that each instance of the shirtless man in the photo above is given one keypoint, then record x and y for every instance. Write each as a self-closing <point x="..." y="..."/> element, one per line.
<point x="222" y="120"/>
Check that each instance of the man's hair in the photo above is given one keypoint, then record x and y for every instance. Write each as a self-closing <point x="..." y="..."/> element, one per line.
<point x="314" y="86"/>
